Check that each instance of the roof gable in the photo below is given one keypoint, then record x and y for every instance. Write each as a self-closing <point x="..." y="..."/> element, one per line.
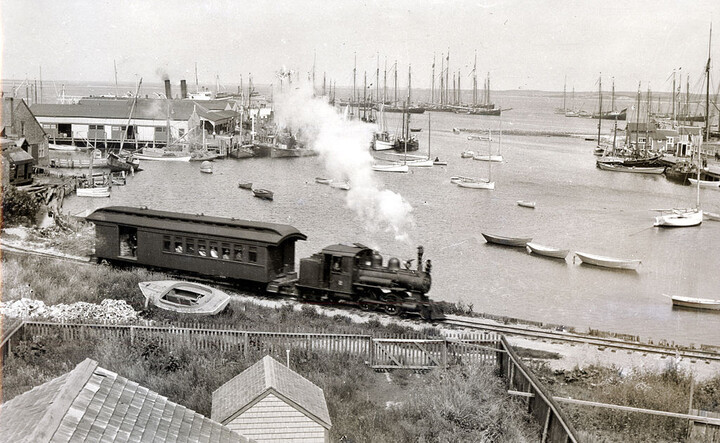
<point x="92" y="403"/>
<point x="257" y="381"/>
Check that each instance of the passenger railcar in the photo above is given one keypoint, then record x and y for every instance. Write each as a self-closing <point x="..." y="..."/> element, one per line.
<point x="211" y="246"/>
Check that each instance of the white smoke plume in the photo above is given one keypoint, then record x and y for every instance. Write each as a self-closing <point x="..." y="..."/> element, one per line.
<point x="343" y="146"/>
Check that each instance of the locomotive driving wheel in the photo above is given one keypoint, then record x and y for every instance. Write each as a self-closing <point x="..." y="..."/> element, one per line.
<point x="392" y="309"/>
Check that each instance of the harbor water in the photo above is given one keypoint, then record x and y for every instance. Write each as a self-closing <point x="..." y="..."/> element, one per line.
<point x="546" y="160"/>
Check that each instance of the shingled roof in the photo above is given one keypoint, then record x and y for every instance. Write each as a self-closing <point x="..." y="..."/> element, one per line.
<point x="90" y="403"/>
<point x="264" y="377"/>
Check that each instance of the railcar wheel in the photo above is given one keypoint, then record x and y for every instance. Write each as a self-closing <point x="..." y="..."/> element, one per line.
<point x="365" y="306"/>
<point x="426" y="313"/>
<point x="392" y="309"/>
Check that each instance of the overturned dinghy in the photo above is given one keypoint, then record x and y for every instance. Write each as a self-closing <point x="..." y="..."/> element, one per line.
<point x="185" y="297"/>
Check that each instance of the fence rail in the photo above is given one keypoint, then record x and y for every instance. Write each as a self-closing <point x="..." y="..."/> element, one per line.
<point x="380" y="353"/>
<point x="521" y="382"/>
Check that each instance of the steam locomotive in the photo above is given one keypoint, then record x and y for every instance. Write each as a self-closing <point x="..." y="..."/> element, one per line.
<point x="262" y="254"/>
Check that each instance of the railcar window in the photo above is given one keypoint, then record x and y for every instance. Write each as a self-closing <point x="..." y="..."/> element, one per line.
<point x="178" y="245"/>
<point x="238" y="253"/>
<point x="252" y="254"/>
<point x="201" y="250"/>
<point x="190" y="246"/>
<point x="166" y="243"/>
<point x="225" y="252"/>
<point x="213" y="250"/>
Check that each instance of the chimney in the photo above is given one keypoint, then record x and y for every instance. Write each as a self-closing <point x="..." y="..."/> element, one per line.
<point x="168" y="92"/>
<point x="183" y="89"/>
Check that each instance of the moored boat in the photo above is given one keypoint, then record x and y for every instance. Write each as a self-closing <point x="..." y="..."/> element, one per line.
<point x="696" y="303"/>
<point x="95" y="191"/>
<point x="609" y="166"/>
<point x="339" y="184"/>
<point x="245" y="185"/>
<point x="546" y="251"/>
<point x="393" y="167"/>
<point x="478" y="184"/>
<point x="507" y="241"/>
<point x="608" y="262"/>
<point x="711" y="216"/>
<point x="679" y="218"/>
<point x="712" y="184"/>
<point x="263" y="193"/>
<point x="459" y="178"/>
<point x="185" y="297"/>
<point x="206" y="167"/>
<point x="322" y="180"/>
<point x="526" y="204"/>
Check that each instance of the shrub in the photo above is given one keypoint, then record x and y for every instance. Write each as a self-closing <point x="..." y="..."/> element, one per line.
<point x="19" y="207"/>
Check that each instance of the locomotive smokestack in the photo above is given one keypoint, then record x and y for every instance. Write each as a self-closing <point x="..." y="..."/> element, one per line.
<point x="168" y="91"/>
<point x="183" y="89"/>
<point x="421" y="251"/>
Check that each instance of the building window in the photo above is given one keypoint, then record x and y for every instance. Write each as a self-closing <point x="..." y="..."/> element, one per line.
<point x="22" y="128"/>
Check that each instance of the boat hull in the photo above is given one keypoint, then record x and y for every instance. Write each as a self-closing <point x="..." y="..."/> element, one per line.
<point x="679" y="219"/>
<point x="608" y="262"/>
<point x="382" y="145"/>
<point x="488" y="158"/>
<point x="96" y="192"/>
<point x="632" y="169"/>
<point x="477" y="185"/>
<point x="506" y="241"/>
<point x="695" y="303"/>
<point x="391" y="168"/>
<point x="525" y="204"/>
<point x="546" y="251"/>
<point x="184" y="297"/>
<point x="162" y="158"/>
<point x="263" y="194"/>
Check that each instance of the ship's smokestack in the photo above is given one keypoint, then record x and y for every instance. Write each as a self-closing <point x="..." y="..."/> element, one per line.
<point x="183" y="89"/>
<point x="168" y="91"/>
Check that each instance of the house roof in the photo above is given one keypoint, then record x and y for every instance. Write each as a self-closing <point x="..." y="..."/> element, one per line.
<point x="14" y="153"/>
<point x="90" y="403"/>
<point x="270" y="233"/>
<point x="265" y="376"/>
<point x="145" y="109"/>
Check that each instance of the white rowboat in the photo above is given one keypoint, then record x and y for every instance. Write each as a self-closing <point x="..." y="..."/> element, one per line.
<point x="525" y="204"/>
<point x="546" y="251"/>
<point x="182" y="296"/>
<point x="697" y="303"/>
<point x="477" y="185"/>
<point x="608" y="262"/>
<point x="506" y="241"/>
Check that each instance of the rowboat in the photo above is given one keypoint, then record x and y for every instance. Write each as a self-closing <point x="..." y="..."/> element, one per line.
<point x="206" y="167"/>
<point x="634" y="169"/>
<point x="506" y="241"/>
<point x="245" y="185"/>
<point x="467" y="154"/>
<point x="608" y="262"/>
<point x="322" y="180"/>
<point x="705" y="183"/>
<point x="438" y="162"/>
<point x="479" y="184"/>
<point x="185" y="297"/>
<point x="263" y="194"/>
<point x="525" y="204"/>
<point x="711" y="216"/>
<point x="459" y="178"/>
<point x="97" y="192"/>
<point x="426" y="163"/>
<point x="546" y="251"/>
<point x="697" y="303"/>
<point x="488" y="157"/>
<point x="394" y="167"/>
<point x="345" y="186"/>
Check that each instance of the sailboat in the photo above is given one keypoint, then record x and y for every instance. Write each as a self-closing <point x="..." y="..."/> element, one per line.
<point x="680" y="218"/>
<point x="395" y="166"/>
<point x="383" y="141"/>
<point x="491" y="157"/>
<point x="423" y="162"/>
<point x="125" y="162"/>
<point x="481" y="184"/>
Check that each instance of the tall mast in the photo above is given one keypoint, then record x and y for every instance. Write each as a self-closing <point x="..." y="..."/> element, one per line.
<point x="707" y="92"/>
<point x="365" y="97"/>
<point x="432" y="83"/>
<point x="377" y="79"/>
<point x="475" y="81"/>
<point x="395" y="104"/>
<point x="459" y="99"/>
<point x="197" y="85"/>
<point x="385" y="83"/>
<point x="442" y="77"/>
<point x="673" y="99"/>
<point x="637" y="118"/>
<point x="612" y="97"/>
<point x="447" y="77"/>
<point x="117" y="94"/>
<point x="687" y="97"/>
<point x="353" y="92"/>
<point x="600" y="111"/>
<point x="409" y="94"/>
<point x="565" y="93"/>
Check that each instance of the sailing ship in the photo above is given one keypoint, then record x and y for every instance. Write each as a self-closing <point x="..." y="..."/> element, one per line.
<point x="382" y="140"/>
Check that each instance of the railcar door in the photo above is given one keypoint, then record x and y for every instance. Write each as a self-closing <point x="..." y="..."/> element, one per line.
<point x="340" y="273"/>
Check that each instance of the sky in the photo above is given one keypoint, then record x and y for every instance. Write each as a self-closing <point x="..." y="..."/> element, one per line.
<point x="521" y="44"/>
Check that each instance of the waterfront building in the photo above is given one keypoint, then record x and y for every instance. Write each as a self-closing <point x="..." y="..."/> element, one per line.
<point x="91" y="403"/>
<point x="271" y="402"/>
<point x="106" y="123"/>
<point x="18" y="122"/>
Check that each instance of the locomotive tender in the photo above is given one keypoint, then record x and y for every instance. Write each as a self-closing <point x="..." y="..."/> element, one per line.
<point x="262" y="254"/>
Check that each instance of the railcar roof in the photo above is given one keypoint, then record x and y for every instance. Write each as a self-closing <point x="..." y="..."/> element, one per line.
<point x="345" y="249"/>
<point x="270" y="233"/>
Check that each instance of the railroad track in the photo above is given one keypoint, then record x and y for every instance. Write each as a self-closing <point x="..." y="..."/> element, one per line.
<point x="600" y="342"/>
